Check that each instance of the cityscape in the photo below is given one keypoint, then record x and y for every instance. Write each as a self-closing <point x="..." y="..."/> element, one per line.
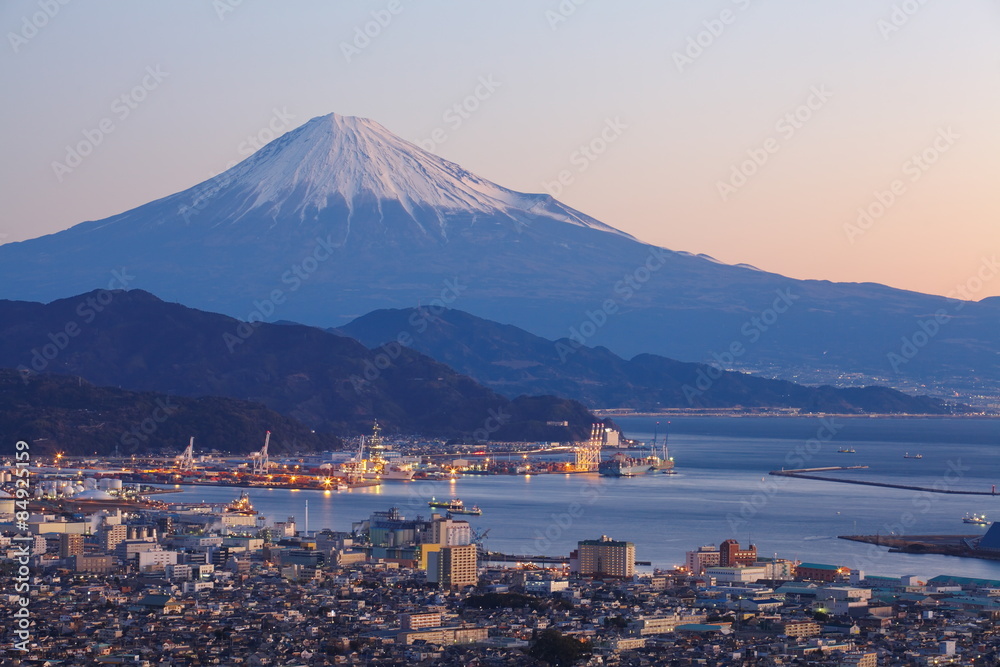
<point x="556" y="333"/>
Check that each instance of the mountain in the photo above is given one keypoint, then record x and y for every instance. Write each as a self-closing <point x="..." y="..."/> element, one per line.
<point x="340" y="217"/>
<point x="512" y="361"/>
<point x="59" y="413"/>
<point x="330" y="383"/>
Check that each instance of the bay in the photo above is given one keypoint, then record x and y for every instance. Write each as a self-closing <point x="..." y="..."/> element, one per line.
<point x="721" y="490"/>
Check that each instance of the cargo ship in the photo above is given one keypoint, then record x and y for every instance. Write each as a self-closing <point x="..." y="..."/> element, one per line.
<point x="623" y="465"/>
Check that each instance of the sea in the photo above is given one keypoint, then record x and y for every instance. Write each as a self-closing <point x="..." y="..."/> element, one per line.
<point x="721" y="490"/>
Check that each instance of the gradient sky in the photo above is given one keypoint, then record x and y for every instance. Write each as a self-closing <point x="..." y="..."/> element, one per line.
<point x="229" y="66"/>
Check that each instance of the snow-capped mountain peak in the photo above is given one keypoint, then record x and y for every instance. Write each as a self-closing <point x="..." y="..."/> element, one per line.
<point x="346" y="161"/>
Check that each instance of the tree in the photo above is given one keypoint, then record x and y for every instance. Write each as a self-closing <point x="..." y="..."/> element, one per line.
<point x="557" y="649"/>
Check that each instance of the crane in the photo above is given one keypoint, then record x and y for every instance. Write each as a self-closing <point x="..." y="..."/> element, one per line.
<point x="186" y="460"/>
<point x="261" y="461"/>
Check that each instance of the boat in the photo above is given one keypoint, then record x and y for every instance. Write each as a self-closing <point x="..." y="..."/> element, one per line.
<point x="376" y="466"/>
<point x="343" y="487"/>
<point x="241" y="506"/>
<point x="623" y="465"/>
<point x="847" y="450"/>
<point x="392" y="473"/>
<point x="908" y="455"/>
<point x="474" y="511"/>
<point x="454" y="505"/>
<point x="977" y="519"/>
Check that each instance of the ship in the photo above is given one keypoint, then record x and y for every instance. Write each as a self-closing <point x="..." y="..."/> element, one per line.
<point x="847" y="450"/>
<point x="474" y="511"/>
<point x="623" y="465"/>
<point x="977" y="519"/>
<point x="908" y="455"/>
<point x="376" y="466"/>
<point x="455" y="506"/>
<point x="241" y="506"/>
<point x="393" y="473"/>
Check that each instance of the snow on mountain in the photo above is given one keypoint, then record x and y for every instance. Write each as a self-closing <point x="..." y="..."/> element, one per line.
<point x="333" y="161"/>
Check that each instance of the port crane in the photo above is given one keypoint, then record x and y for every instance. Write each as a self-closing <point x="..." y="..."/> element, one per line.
<point x="588" y="454"/>
<point x="261" y="460"/>
<point x="479" y="539"/>
<point x="186" y="459"/>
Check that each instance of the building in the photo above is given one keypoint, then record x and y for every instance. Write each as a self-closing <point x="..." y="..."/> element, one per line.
<point x="859" y="659"/>
<point x="450" y="533"/>
<point x="94" y="564"/>
<point x="444" y="636"/>
<point x="605" y="558"/>
<point x="730" y="554"/>
<point x="70" y="545"/>
<point x="453" y="567"/>
<point x="155" y="559"/>
<point x="420" y="621"/>
<point x="697" y="561"/>
<point x="112" y="536"/>
<point x="801" y="629"/>
<point x="737" y="575"/>
<point x="821" y="572"/>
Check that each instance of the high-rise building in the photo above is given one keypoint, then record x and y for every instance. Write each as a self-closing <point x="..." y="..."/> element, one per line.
<point x="450" y="532"/>
<point x="697" y="561"/>
<point x="453" y="567"/>
<point x="70" y="544"/>
<point x="112" y="536"/>
<point x="605" y="558"/>
<point x="730" y="554"/>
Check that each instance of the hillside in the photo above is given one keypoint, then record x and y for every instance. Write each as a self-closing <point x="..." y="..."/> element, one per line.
<point x="58" y="413"/>
<point x="513" y="362"/>
<point x="327" y="382"/>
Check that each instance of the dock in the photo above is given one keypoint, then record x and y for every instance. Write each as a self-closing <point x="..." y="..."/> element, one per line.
<point x="806" y="473"/>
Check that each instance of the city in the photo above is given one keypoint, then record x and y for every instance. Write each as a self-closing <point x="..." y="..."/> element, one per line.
<point x="542" y="333"/>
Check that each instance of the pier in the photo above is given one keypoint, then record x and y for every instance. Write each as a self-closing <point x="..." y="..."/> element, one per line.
<point x="806" y="473"/>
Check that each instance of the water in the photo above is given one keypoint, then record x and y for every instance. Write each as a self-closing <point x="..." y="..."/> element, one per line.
<point x="722" y="490"/>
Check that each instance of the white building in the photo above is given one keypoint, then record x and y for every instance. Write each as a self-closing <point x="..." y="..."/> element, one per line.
<point x="737" y="575"/>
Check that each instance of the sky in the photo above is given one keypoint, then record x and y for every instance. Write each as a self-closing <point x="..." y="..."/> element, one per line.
<point x="852" y="141"/>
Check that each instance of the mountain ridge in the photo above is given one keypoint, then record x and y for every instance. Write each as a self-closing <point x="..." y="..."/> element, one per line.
<point x="513" y="361"/>
<point x="527" y="259"/>
<point x="138" y="342"/>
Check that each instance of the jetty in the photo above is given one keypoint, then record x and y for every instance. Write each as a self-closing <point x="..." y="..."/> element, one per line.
<point x="808" y="473"/>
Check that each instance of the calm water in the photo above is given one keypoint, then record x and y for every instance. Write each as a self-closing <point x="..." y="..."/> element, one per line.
<point x="722" y="490"/>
